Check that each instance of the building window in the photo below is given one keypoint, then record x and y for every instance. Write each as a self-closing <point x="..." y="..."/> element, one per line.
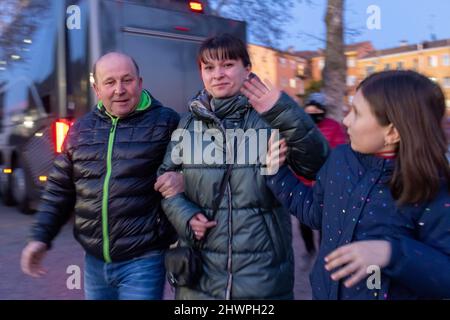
<point x="292" y="83"/>
<point x="370" y="70"/>
<point x="284" y="82"/>
<point x="446" y="82"/>
<point x="351" y="62"/>
<point x="433" y="79"/>
<point x="415" y="64"/>
<point x="321" y="64"/>
<point x="432" y="61"/>
<point x="351" y="80"/>
<point x="446" y="60"/>
<point x="282" y="61"/>
<point x="387" y="66"/>
<point x="300" y="70"/>
<point x="447" y="102"/>
<point x="400" y="65"/>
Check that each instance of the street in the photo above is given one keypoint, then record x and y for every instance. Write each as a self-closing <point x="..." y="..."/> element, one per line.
<point x="67" y="253"/>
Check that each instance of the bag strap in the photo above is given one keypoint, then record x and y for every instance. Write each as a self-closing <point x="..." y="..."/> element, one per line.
<point x="227" y="175"/>
<point x="223" y="185"/>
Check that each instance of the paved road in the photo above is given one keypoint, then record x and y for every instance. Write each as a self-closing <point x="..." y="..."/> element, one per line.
<point x="66" y="252"/>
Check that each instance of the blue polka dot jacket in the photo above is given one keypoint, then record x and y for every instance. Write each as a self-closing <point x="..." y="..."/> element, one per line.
<point x="351" y="201"/>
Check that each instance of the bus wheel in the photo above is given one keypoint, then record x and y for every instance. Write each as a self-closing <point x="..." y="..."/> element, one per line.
<point x="5" y="188"/>
<point x="20" y="189"/>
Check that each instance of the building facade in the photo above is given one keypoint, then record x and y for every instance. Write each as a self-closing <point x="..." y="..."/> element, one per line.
<point x="284" y="69"/>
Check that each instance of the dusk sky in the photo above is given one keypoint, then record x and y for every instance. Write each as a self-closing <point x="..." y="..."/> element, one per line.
<point x="411" y="20"/>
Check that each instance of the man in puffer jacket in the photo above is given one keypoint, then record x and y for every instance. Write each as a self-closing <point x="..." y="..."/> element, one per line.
<point x="246" y="245"/>
<point x="106" y="173"/>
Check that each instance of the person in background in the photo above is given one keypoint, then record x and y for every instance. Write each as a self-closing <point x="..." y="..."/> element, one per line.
<point x="333" y="131"/>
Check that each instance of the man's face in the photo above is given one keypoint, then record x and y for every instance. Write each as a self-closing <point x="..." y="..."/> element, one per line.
<point x="117" y="84"/>
<point x="224" y="78"/>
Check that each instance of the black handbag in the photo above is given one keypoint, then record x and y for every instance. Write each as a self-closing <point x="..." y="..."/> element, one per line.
<point x="184" y="264"/>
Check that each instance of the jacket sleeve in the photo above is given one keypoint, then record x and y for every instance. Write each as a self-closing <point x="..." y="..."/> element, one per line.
<point x="58" y="199"/>
<point x="420" y="267"/>
<point x="308" y="149"/>
<point x="302" y="201"/>
<point x="422" y="264"/>
<point x="178" y="209"/>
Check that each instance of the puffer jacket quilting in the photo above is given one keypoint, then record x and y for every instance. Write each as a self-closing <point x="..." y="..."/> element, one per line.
<point x="248" y="255"/>
<point x="135" y="223"/>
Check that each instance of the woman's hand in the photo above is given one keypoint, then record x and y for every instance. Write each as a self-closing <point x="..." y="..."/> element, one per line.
<point x="354" y="259"/>
<point x="200" y="224"/>
<point x="260" y="96"/>
<point x="276" y="154"/>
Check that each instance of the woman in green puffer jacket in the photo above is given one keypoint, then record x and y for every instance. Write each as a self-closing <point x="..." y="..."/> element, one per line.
<point x="246" y="243"/>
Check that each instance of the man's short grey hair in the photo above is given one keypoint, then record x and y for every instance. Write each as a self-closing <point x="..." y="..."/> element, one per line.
<point x="94" y="68"/>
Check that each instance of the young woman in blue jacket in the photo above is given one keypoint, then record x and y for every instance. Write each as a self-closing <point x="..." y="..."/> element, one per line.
<point x="382" y="203"/>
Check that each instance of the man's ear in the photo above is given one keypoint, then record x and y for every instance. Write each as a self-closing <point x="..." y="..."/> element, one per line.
<point x="392" y="135"/>
<point x="94" y="86"/>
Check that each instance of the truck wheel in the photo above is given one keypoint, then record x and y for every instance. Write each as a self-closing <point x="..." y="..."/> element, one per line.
<point x="5" y="188"/>
<point x="20" y="186"/>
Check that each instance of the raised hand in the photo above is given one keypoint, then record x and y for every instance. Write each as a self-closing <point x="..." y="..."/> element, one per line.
<point x="262" y="97"/>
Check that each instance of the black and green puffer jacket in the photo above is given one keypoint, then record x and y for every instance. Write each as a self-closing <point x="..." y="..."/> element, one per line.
<point x="248" y="255"/>
<point x="106" y="174"/>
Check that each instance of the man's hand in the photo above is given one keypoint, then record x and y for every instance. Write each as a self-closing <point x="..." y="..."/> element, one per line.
<point x="260" y="96"/>
<point x="356" y="257"/>
<point x="169" y="184"/>
<point x="31" y="259"/>
<point x="200" y="224"/>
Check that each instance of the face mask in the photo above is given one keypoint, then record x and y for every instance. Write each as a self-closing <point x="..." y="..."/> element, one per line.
<point x="317" y="117"/>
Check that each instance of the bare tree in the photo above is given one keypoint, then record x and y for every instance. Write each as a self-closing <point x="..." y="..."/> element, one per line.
<point x="19" y="20"/>
<point x="334" y="72"/>
<point x="266" y="19"/>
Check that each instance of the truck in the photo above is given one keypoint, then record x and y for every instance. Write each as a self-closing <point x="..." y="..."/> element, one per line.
<point x="46" y="71"/>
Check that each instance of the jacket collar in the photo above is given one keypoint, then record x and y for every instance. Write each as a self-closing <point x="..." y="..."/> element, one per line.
<point x="373" y="162"/>
<point x="208" y="109"/>
<point x="145" y="102"/>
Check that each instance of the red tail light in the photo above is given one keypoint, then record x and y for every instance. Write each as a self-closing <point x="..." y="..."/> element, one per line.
<point x="196" y="6"/>
<point x="60" y="128"/>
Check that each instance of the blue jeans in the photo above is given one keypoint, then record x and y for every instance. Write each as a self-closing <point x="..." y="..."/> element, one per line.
<point x="141" y="278"/>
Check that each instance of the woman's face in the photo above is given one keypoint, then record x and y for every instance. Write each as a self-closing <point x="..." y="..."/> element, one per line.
<point x="224" y="78"/>
<point x="365" y="132"/>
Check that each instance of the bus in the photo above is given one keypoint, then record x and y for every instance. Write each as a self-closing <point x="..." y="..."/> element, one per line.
<point x="46" y="76"/>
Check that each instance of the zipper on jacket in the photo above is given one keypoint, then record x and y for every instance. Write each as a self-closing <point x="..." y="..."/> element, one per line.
<point x="230" y="249"/>
<point x="105" y="229"/>
<point x="230" y="218"/>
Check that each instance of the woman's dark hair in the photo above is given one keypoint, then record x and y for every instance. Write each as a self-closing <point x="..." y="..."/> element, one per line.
<point x="415" y="105"/>
<point x="221" y="47"/>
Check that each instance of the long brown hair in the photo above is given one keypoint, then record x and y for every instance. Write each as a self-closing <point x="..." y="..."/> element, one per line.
<point x="415" y="105"/>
